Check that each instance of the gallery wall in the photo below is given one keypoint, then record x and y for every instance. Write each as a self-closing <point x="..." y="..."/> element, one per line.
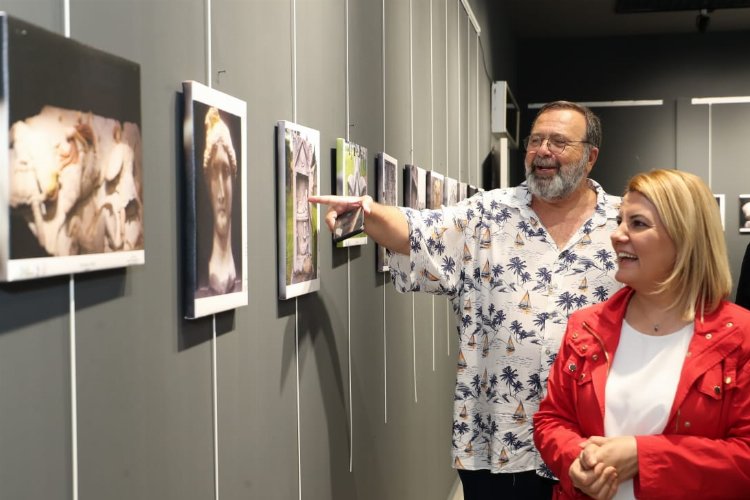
<point x="346" y="393"/>
<point x="703" y="136"/>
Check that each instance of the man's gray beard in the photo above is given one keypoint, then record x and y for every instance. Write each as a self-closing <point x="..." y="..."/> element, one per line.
<point x="559" y="186"/>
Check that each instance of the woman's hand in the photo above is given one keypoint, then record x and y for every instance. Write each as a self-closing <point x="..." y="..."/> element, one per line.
<point x="599" y="481"/>
<point x="620" y="452"/>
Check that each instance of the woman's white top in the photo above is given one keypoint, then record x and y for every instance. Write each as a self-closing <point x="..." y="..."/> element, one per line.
<point x="641" y="385"/>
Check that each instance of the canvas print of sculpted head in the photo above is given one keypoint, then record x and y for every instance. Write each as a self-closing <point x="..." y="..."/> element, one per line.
<point x="214" y="132"/>
<point x="298" y="153"/>
<point x="71" y="157"/>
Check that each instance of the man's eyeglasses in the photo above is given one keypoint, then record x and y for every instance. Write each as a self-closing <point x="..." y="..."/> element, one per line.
<point x="555" y="143"/>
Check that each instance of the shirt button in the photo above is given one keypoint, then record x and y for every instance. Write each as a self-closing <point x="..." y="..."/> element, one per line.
<point x="595" y="357"/>
<point x="575" y="335"/>
<point x="728" y="380"/>
<point x="584" y="347"/>
<point x="730" y="324"/>
<point x="572" y="367"/>
<point x="708" y="336"/>
<point x="717" y="389"/>
<point x="583" y="376"/>
<point x="546" y="351"/>
<point x="687" y="424"/>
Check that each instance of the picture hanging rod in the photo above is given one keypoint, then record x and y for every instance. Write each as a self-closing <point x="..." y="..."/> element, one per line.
<point x="609" y="104"/>
<point x="720" y="100"/>
<point x="472" y="17"/>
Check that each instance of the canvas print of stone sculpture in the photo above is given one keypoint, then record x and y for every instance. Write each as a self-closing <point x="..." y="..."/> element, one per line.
<point x="215" y="201"/>
<point x="414" y="187"/>
<point x="298" y="156"/>
<point x="71" y="171"/>
<point x="386" y="168"/>
<point x="351" y="179"/>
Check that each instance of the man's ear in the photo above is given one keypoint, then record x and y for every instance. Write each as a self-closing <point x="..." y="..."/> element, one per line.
<point x="593" y="155"/>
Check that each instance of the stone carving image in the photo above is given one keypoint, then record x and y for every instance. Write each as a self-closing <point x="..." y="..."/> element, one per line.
<point x="215" y="201"/>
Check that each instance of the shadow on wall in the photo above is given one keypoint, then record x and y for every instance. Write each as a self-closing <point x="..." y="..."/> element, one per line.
<point x="316" y="333"/>
<point x="24" y="303"/>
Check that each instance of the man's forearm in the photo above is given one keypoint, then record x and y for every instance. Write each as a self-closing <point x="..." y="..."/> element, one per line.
<point x="387" y="225"/>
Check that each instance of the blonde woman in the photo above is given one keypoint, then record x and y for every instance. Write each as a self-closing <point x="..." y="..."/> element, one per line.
<point x="650" y="393"/>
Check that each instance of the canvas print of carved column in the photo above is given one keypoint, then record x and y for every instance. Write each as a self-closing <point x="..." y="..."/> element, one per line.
<point x="414" y="187"/>
<point x="434" y="184"/>
<point x="298" y="154"/>
<point x="385" y="172"/>
<point x="71" y="174"/>
<point x="215" y="206"/>
<point x="450" y="192"/>
<point x="351" y="179"/>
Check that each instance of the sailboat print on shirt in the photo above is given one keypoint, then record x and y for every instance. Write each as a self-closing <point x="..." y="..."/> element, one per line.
<point x="525" y="304"/>
<point x="520" y="415"/>
<point x="519" y="240"/>
<point x="461" y="360"/>
<point x="510" y="346"/>
<point x="486" y="275"/>
<point x="586" y="240"/>
<point x="584" y="284"/>
<point x="503" y="457"/>
<point x="485" y="348"/>
<point x="486" y="239"/>
<point x="472" y="341"/>
<point x="464" y="413"/>
<point x="467" y="254"/>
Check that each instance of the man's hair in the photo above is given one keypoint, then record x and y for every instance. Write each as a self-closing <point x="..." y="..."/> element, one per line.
<point x="593" y="124"/>
<point x="690" y="214"/>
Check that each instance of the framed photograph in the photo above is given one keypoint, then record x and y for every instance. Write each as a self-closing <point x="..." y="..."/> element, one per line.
<point x="351" y="180"/>
<point x="450" y="192"/>
<point x="71" y="162"/>
<point x="215" y="207"/>
<point x="462" y="189"/>
<point x="386" y="168"/>
<point x="720" y="199"/>
<point x="298" y="154"/>
<point x="414" y="187"/>
<point x="434" y="184"/>
<point x="745" y="213"/>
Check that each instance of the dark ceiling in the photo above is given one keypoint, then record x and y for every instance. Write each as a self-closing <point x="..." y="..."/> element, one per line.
<point x="586" y="18"/>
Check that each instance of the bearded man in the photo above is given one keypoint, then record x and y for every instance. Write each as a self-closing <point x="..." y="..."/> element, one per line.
<point x="515" y="263"/>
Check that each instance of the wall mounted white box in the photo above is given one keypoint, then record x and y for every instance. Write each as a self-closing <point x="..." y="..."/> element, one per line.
<point x="506" y="115"/>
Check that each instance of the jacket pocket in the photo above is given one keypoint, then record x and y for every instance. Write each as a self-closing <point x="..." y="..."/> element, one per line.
<point x="577" y="368"/>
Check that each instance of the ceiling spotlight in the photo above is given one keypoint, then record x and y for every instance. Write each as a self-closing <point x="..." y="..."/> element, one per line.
<point x="702" y="20"/>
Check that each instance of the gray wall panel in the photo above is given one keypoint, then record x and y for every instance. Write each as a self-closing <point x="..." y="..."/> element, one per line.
<point x="145" y="400"/>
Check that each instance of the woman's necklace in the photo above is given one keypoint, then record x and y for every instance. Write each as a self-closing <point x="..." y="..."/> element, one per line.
<point x="654" y="325"/>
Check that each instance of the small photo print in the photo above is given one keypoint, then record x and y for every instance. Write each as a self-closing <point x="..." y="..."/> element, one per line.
<point x="351" y="180"/>
<point x="415" y="187"/>
<point x="720" y="201"/>
<point x="386" y="169"/>
<point x="745" y="213"/>
<point x="434" y="184"/>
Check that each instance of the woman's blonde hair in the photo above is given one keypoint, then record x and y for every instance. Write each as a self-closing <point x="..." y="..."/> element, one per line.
<point x="690" y="214"/>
